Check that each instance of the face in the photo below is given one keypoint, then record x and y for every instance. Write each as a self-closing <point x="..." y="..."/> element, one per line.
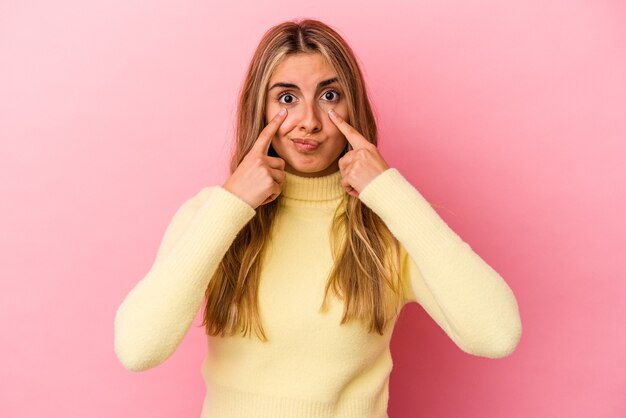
<point x="303" y="84"/>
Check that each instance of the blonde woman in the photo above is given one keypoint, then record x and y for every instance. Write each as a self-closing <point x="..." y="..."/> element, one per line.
<point x="306" y="254"/>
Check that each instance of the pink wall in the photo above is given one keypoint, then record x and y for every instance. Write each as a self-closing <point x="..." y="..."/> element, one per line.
<point x="510" y="114"/>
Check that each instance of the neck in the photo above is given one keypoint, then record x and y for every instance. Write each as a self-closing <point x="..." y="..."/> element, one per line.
<point x="321" y="191"/>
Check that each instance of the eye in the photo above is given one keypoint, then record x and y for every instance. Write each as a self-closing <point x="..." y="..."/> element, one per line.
<point x="291" y="96"/>
<point x="330" y="93"/>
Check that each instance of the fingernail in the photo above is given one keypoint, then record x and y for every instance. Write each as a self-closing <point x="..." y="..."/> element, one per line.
<point x="332" y="112"/>
<point x="282" y="111"/>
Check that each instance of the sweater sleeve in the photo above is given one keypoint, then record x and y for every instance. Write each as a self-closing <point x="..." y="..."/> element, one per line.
<point x="156" y="314"/>
<point x="465" y="296"/>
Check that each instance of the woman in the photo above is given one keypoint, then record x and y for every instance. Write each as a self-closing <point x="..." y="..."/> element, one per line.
<point x="307" y="253"/>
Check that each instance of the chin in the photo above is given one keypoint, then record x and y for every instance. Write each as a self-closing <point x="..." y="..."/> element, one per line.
<point x="310" y="171"/>
<point x="304" y="171"/>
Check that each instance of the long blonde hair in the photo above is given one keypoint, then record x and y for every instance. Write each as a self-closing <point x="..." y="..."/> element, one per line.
<point x="361" y="241"/>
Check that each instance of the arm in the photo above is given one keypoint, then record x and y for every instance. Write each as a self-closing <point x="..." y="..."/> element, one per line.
<point x="157" y="313"/>
<point x="465" y="296"/>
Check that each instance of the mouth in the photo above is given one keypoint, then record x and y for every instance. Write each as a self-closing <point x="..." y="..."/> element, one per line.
<point x="305" y="144"/>
<point x="305" y="141"/>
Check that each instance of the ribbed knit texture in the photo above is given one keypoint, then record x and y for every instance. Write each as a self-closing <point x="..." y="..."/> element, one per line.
<point x="311" y="366"/>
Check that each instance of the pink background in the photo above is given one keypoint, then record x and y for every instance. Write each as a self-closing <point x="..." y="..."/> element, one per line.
<point x="509" y="114"/>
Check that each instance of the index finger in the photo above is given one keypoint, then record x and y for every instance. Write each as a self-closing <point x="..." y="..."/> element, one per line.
<point x="262" y="143"/>
<point x="352" y="135"/>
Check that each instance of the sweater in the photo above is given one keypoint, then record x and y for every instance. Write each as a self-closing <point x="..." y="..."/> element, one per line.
<point x="311" y="366"/>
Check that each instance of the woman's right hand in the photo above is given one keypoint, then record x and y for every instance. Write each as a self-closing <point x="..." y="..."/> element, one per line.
<point x="257" y="179"/>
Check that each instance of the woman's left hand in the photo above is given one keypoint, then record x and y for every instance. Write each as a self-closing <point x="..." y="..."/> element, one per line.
<point x="360" y="165"/>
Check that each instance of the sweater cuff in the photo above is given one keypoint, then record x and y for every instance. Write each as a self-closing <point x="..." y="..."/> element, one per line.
<point x="235" y="205"/>
<point x="407" y="214"/>
<point x="217" y="222"/>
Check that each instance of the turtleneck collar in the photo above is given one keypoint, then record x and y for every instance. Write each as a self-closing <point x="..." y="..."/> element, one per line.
<point x="312" y="191"/>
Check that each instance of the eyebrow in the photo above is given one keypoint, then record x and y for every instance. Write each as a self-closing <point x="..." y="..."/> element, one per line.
<point x="293" y="86"/>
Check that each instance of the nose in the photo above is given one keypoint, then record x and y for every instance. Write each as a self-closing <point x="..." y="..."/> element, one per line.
<point x="310" y="120"/>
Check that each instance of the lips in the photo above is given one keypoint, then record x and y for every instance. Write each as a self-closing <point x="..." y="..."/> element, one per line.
<point x="306" y="141"/>
<point x="305" y="145"/>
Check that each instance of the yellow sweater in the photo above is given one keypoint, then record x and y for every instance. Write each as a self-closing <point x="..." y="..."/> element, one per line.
<point x="311" y="366"/>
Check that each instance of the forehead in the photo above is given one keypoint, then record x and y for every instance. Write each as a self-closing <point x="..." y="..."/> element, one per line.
<point x="303" y="69"/>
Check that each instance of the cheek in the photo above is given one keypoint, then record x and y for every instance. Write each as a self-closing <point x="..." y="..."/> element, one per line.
<point x="342" y="110"/>
<point x="271" y="109"/>
<point x="334" y="129"/>
<point x="289" y="125"/>
<point x="281" y="132"/>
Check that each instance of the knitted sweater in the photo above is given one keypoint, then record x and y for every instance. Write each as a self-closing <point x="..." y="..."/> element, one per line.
<point x="311" y="366"/>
